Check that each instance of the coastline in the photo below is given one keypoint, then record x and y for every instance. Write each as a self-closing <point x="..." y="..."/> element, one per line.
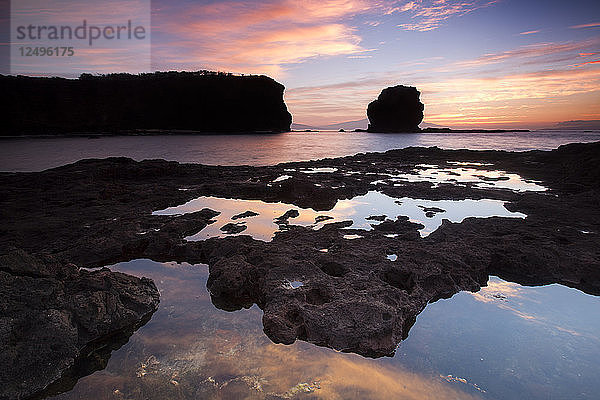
<point x="94" y="218"/>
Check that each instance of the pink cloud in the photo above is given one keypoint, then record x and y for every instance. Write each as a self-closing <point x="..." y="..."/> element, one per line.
<point x="516" y="99"/>
<point x="259" y="37"/>
<point x="591" y="25"/>
<point x="533" y="51"/>
<point x="429" y="15"/>
<point x="529" y="32"/>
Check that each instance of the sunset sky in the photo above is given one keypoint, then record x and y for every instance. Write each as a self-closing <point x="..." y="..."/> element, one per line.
<point x="503" y="63"/>
<point x="484" y="63"/>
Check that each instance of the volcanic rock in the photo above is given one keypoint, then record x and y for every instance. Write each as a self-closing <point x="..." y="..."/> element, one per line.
<point x="245" y="214"/>
<point x="55" y="319"/>
<point x="352" y="298"/>
<point x="189" y="102"/>
<point x="397" y="109"/>
<point x="232" y="228"/>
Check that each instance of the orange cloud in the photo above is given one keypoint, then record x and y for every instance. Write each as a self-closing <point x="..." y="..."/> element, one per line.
<point x="262" y="37"/>
<point x="529" y="95"/>
<point x="585" y="63"/>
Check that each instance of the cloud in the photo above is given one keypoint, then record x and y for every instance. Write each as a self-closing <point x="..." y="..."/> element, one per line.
<point x="587" y="62"/>
<point x="429" y="15"/>
<point x="502" y="99"/>
<point x="247" y="36"/>
<point x="591" y="25"/>
<point x="538" y="50"/>
<point x="266" y="36"/>
<point x="529" y="32"/>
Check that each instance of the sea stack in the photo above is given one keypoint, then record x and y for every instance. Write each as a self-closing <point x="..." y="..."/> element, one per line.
<point x="397" y="109"/>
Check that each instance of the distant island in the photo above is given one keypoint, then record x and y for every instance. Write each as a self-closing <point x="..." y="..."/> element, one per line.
<point x="577" y="125"/>
<point x="193" y="102"/>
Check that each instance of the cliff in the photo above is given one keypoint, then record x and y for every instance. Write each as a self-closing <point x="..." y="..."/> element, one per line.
<point x="397" y="109"/>
<point x="119" y="103"/>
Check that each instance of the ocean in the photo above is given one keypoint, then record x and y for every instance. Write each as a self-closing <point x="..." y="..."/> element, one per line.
<point x="36" y="154"/>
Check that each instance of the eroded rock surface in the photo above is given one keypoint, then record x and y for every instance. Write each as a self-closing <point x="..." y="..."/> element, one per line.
<point x="56" y="319"/>
<point x="353" y="298"/>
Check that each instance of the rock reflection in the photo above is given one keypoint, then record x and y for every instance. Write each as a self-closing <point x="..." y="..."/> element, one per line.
<point x="480" y="178"/>
<point x="191" y="350"/>
<point x="265" y="219"/>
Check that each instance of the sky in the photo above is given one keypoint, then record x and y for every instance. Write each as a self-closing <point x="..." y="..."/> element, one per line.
<point x="477" y="63"/>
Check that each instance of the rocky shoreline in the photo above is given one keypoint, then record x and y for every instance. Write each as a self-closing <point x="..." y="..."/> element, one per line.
<point x="95" y="213"/>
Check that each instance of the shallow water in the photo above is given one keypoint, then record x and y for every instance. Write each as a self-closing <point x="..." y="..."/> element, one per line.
<point x="480" y="178"/>
<point x="264" y="225"/>
<point x="505" y="342"/>
<point x="36" y="154"/>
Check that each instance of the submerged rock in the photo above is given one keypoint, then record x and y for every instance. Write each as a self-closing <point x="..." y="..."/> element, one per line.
<point x="430" y="212"/>
<point x="321" y="218"/>
<point x="232" y="228"/>
<point x="245" y="214"/>
<point x="379" y="218"/>
<point x="284" y="219"/>
<point x="397" y="109"/>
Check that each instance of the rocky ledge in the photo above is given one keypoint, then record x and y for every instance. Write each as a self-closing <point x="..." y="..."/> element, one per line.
<point x="59" y="322"/>
<point x="353" y="298"/>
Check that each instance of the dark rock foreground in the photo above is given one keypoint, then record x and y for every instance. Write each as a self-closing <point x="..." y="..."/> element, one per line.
<point x="201" y="101"/>
<point x="397" y="109"/>
<point x="98" y="212"/>
<point x="58" y="322"/>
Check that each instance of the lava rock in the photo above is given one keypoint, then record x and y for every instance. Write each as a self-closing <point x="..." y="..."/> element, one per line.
<point x="245" y="214"/>
<point x="232" y="228"/>
<point x="284" y="219"/>
<point x="397" y="109"/>
<point x="321" y="218"/>
<point x="202" y="101"/>
<point x="352" y="298"/>
<point x="380" y="218"/>
<point x="53" y="317"/>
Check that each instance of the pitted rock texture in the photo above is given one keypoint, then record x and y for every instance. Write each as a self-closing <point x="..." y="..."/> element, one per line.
<point x="53" y="316"/>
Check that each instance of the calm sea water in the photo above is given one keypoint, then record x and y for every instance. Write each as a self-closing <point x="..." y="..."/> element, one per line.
<point x="36" y="154"/>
